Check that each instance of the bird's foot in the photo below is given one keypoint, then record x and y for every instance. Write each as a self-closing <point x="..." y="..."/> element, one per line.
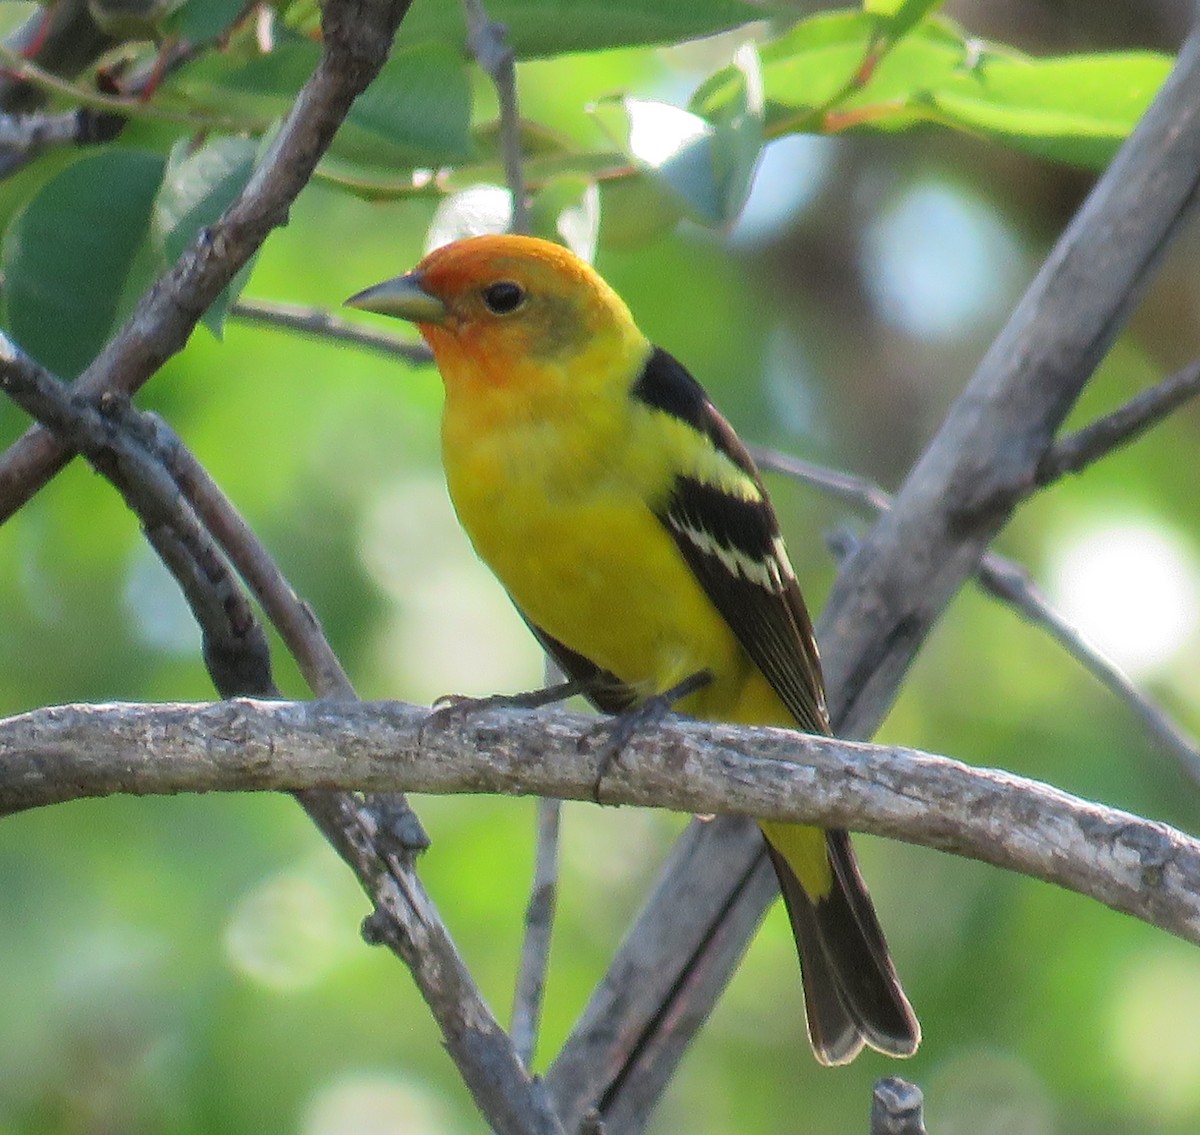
<point x="452" y="709"/>
<point x="618" y="731"/>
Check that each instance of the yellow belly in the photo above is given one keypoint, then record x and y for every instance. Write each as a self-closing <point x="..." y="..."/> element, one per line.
<point x="569" y="534"/>
<point x="602" y="575"/>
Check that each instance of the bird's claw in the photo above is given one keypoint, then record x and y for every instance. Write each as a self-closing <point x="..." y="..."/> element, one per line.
<point x="620" y="730"/>
<point x="452" y="709"/>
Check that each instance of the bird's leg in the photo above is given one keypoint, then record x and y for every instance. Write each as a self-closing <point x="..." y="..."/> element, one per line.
<point x="454" y="708"/>
<point x="619" y="730"/>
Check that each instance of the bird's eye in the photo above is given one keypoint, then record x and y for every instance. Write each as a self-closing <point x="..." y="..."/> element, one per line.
<point x="503" y="297"/>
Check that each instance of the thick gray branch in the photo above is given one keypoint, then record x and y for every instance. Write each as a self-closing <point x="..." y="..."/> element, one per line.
<point x="1133" y="865"/>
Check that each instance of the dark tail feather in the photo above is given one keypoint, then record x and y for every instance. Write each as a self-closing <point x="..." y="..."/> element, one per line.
<point x="852" y="995"/>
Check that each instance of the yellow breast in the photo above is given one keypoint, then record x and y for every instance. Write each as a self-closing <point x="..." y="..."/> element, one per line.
<point x="564" y="521"/>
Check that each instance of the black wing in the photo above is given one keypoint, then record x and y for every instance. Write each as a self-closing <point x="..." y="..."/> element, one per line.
<point x="731" y="542"/>
<point x="602" y="687"/>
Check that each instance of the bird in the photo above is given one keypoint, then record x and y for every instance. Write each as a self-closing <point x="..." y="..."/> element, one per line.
<point x="631" y="529"/>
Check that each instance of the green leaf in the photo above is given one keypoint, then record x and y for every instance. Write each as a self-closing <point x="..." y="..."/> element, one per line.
<point x="551" y="27"/>
<point x="253" y="86"/>
<point x="737" y="138"/>
<point x="371" y="184"/>
<point x="131" y="20"/>
<point x="635" y="210"/>
<point x="417" y="112"/>
<point x="670" y="145"/>
<point x="199" y="21"/>
<point x="68" y="256"/>
<point x="901" y="16"/>
<point x="417" y="109"/>
<point x="196" y="189"/>
<point x="1075" y="109"/>
<point x="808" y="68"/>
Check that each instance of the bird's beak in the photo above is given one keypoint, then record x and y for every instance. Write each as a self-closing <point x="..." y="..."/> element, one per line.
<point x="404" y="297"/>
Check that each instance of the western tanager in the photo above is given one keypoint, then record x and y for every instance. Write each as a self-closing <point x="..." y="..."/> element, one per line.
<point x="632" y="531"/>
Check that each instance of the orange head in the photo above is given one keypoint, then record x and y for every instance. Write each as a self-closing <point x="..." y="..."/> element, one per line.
<point x="500" y="309"/>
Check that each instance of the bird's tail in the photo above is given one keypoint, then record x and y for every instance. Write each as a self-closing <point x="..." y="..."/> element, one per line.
<point x="852" y="995"/>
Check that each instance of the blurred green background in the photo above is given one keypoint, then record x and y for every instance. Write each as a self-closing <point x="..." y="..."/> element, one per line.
<point x="193" y="965"/>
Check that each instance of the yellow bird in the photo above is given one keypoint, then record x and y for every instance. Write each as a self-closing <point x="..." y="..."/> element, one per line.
<point x="630" y="527"/>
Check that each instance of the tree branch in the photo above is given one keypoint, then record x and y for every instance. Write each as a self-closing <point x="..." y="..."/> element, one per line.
<point x="1075" y="452"/>
<point x="488" y="41"/>
<point x="316" y="321"/>
<point x="357" y="37"/>
<point x="539" y="923"/>
<point x="897" y="1108"/>
<point x="1134" y="865"/>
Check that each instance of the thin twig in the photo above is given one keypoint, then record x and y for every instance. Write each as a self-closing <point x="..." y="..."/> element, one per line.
<point x="1012" y="583"/>
<point x="488" y="41"/>
<point x="539" y="922"/>
<point x="288" y="613"/>
<point x="114" y="441"/>
<point x="534" y="963"/>
<point x="1075" y="452"/>
<point x="23" y="135"/>
<point x="849" y="487"/>
<point x="897" y="1108"/>
<point x="132" y="107"/>
<point x="591" y="1123"/>
<point x="321" y="323"/>
<point x="1070" y="454"/>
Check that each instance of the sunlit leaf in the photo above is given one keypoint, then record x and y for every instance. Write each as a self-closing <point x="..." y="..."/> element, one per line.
<point x="1074" y="109"/>
<point x="567" y="210"/>
<point x="68" y="255"/>
<point x="707" y="162"/>
<point x="901" y="15"/>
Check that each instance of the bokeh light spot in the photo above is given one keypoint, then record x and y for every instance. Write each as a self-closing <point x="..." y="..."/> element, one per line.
<point x="1156" y="1030"/>
<point x="287" y="932"/>
<point x="1131" y="587"/>
<point x="375" y="1102"/>
<point x="156" y="607"/>
<point x="451" y="628"/>
<point x="940" y="261"/>
<point x="475" y="211"/>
